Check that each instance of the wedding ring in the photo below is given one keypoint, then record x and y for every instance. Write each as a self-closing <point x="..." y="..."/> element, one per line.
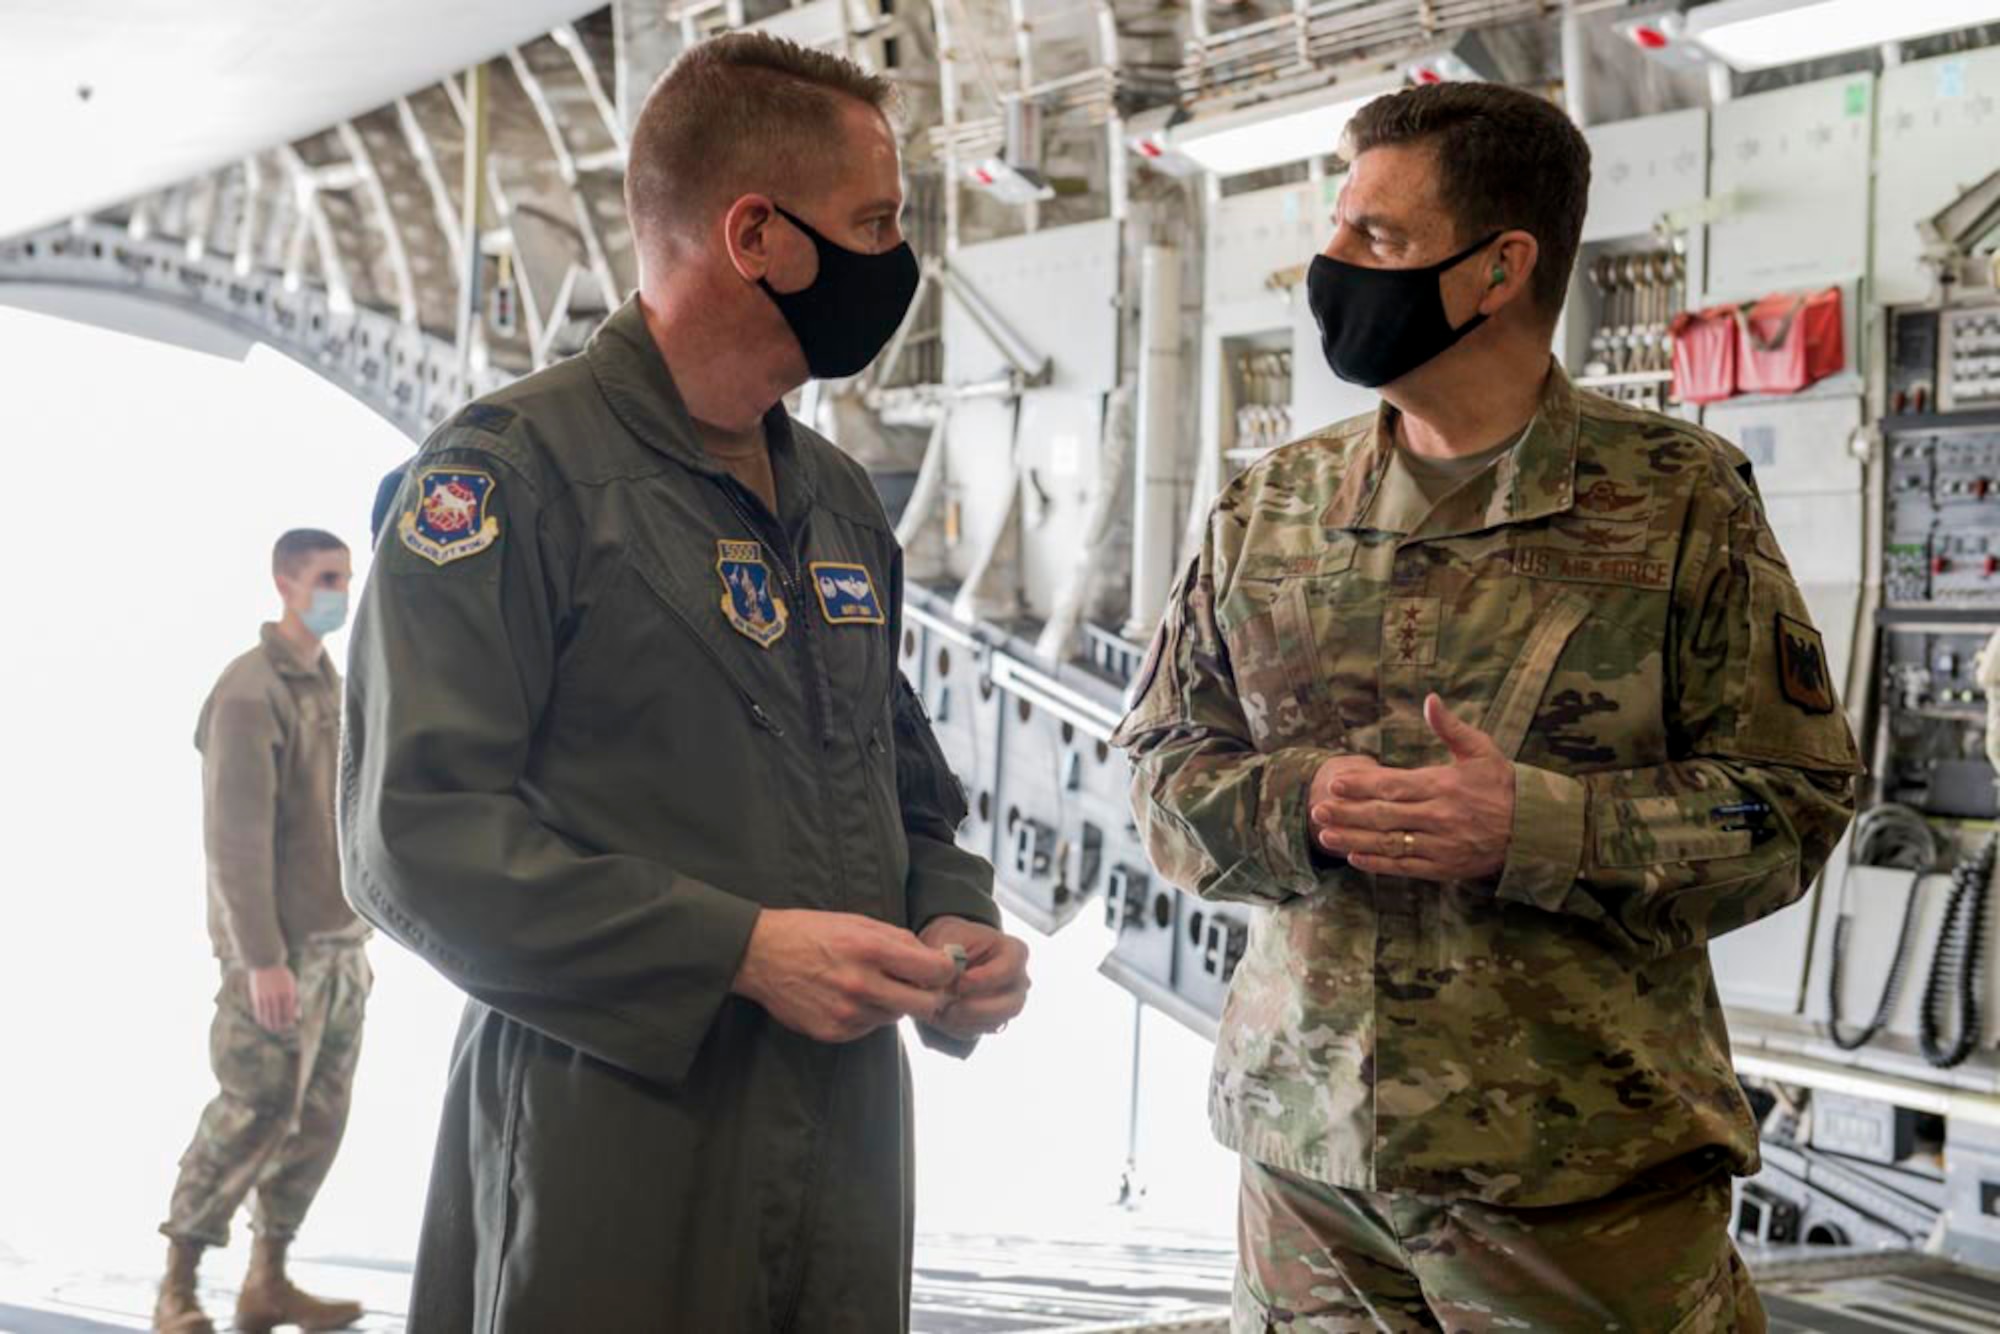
<point x="1409" y="845"/>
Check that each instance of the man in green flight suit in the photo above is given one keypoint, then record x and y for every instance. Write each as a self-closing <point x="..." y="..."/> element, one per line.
<point x="630" y="760"/>
<point x="1499" y="704"/>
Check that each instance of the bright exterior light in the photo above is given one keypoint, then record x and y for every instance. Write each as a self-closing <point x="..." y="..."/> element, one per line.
<point x="1757" y="34"/>
<point x="1251" y="141"/>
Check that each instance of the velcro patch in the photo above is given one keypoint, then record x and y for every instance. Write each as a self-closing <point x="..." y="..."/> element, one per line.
<point x="1590" y="568"/>
<point x="488" y="417"/>
<point x="846" y="593"/>
<point x="453" y="518"/>
<point x="1802" y="668"/>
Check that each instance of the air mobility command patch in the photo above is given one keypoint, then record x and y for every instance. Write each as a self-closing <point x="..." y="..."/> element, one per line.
<point x="846" y="594"/>
<point x="452" y="518"/>
<point x="753" y="608"/>
<point x="1802" y="669"/>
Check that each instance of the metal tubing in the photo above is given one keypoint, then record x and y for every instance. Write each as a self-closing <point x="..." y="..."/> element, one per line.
<point x="473" y="219"/>
<point x="1575" y="66"/>
<point x="1155" y="476"/>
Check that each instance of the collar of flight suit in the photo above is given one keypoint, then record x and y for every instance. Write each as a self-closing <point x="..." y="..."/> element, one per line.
<point x="1533" y="480"/>
<point x="285" y="658"/>
<point x="635" y="381"/>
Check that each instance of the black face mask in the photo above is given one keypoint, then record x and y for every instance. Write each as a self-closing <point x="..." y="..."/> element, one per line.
<point x="1378" y="325"/>
<point x="852" y="309"/>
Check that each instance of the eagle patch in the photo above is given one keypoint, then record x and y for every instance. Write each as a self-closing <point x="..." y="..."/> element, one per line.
<point x="846" y="594"/>
<point x="453" y="517"/>
<point x="1803" y="673"/>
<point x="749" y="602"/>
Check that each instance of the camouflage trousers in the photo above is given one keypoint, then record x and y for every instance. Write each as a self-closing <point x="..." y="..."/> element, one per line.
<point x="1652" y="1258"/>
<point x="277" y="1122"/>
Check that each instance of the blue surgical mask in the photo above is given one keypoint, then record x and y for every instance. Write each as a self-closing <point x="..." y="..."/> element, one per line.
<point x="327" y="613"/>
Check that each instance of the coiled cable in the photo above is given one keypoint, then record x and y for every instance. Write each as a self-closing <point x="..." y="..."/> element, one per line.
<point x="1887" y="835"/>
<point x="1959" y="964"/>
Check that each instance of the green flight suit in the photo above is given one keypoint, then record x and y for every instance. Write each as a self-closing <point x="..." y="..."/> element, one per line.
<point x="603" y="708"/>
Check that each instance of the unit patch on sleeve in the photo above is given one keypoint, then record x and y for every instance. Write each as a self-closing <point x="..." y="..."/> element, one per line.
<point x="846" y="594"/>
<point x="748" y="600"/>
<point x="1802" y="669"/>
<point x="453" y="517"/>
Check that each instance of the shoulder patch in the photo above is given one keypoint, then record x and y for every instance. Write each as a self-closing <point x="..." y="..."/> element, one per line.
<point x="453" y="518"/>
<point x="1802" y="666"/>
<point x="488" y="417"/>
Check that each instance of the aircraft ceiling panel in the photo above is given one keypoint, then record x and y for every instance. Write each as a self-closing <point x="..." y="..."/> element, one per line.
<point x="101" y="100"/>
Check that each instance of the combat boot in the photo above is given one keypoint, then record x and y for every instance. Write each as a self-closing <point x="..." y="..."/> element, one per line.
<point x="177" y="1310"/>
<point x="268" y="1298"/>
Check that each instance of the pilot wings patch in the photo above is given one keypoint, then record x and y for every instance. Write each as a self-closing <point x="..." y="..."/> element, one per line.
<point x="846" y="594"/>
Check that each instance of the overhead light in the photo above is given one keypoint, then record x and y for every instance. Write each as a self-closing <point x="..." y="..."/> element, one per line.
<point x="1273" y="134"/>
<point x="1008" y="183"/>
<point x="1156" y="149"/>
<point x="1757" y="34"/>
<point x="1663" y="37"/>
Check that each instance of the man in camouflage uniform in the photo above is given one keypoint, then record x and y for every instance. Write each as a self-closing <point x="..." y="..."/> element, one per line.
<point x="287" y="1030"/>
<point x="1499" y="704"/>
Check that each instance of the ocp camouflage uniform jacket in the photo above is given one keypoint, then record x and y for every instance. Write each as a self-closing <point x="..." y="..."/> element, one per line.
<point x="1609" y="603"/>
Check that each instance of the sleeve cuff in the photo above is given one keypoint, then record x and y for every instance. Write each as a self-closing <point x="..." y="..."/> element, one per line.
<point x="946" y="881"/>
<point x="1545" y="853"/>
<point x="945" y="1044"/>
<point x="1284" y="818"/>
<point x="724" y="924"/>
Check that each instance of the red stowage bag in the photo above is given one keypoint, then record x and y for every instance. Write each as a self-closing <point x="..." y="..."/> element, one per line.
<point x="1704" y="354"/>
<point x="1787" y="341"/>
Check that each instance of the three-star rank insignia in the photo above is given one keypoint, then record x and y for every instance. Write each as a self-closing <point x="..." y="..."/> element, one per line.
<point x="453" y="516"/>
<point x="846" y="594"/>
<point x="752" y="606"/>
<point x="1802" y="667"/>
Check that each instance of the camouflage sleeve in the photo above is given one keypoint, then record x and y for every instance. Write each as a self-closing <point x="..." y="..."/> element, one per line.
<point x="452" y="669"/>
<point x="1761" y="786"/>
<point x="1220" y="818"/>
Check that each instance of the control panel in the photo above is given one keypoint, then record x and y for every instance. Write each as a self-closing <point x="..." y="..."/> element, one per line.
<point x="1943" y="529"/>
<point x="1936" y="715"/>
<point x="1969" y="360"/>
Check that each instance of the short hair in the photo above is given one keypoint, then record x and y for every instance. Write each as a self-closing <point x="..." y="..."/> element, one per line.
<point x="1506" y="159"/>
<point x="300" y="545"/>
<point x="739" y="113"/>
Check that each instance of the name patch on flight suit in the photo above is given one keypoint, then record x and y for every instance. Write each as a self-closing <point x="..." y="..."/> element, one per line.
<point x="748" y="600"/>
<point x="846" y="594"/>
<point x="1802" y="672"/>
<point x="451" y="520"/>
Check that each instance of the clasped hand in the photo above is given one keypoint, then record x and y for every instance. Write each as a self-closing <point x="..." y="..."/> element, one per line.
<point x="836" y="977"/>
<point x="1448" y="822"/>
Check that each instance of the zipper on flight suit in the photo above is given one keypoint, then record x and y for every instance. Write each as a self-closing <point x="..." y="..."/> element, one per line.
<point x="822" y="709"/>
<point x="785" y="559"/>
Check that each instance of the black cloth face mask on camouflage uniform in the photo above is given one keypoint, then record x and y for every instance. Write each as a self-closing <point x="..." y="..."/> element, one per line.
<point x="852" y="309"/>
<point x="1378" y="325"/>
